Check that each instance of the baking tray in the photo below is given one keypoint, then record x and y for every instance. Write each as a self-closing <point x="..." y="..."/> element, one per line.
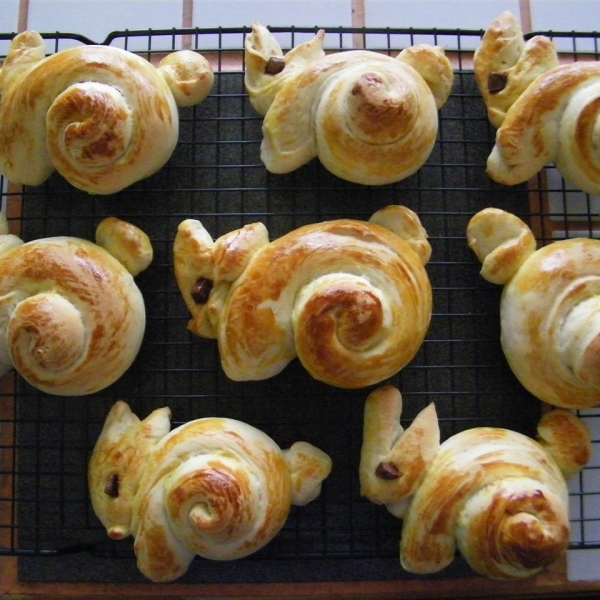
<point x="216" y="175"/>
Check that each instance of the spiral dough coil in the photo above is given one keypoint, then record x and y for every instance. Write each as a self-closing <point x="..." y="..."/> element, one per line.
<point x="217" y="488"/>
<point x="370" y="118"/>
<point x="498" y="497"/>
<point x="102" y="116"/>
<point x="72" y="318"/>
<point x="350" y="298"/>
<point x="550" y="307"/>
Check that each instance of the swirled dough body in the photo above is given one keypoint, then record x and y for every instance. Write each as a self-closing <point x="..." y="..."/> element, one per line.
<point x="102" y="116"/>
<point x="72" y="318"/>
<point x="214" y="487"/>
<point x="550" y="307"/>
<point x="370" y="118"/>
<point x="350" y="298"/>
<point x="495" y="495"/>
<point x="550" y="323"/>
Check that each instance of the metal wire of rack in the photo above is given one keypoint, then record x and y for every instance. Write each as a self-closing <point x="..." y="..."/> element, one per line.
<point x="216" y="175"/>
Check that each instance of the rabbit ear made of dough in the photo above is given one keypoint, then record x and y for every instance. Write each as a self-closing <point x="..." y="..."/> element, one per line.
<point x="505" y="64"/>
<point x="501" y="241"/>
<point x="267" y="67"/>
<point x="393" y="460"/>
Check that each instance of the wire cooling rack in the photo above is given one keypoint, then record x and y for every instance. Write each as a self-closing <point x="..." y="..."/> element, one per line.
<point x="216" y="175"/>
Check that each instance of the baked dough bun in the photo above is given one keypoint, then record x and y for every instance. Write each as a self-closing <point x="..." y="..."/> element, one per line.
<point x="72" y="318"/>
<point x="495" y="495"/>
<point x="101" y="116"/>
<point x="351" y="299"/>
<point x="370" y="118"/>
<point x="217" y="488"/>
<point x="505" y="64"/>
<point x="555" y="120"/>
<point x="550" y="307"/>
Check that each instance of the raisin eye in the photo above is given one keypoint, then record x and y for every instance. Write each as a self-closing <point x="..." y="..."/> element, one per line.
<point x="201" y="290"/>
<point x="112" y="487"/>
<point x="496" y="82"/>
<point x="274" y="65"/>
<point x="387" y="470"/>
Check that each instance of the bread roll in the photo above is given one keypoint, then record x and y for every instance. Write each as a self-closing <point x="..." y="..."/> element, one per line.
<point x="217" y="488"/>
<point x="505" y="64"/>
<point x="555" y="120"/>
<point x="72" y="318"/>
<point x="494" y="495"/>
<point x="102" y="116"/>
<point x="550" y="307"/>
<point x="370" y="119"/>
<point x="350" y="298"/>
<point x="498" y="497"/>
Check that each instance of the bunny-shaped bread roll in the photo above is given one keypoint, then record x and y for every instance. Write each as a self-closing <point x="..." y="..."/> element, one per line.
<point x="350" y="298"/>
<point x="545" y="112"/>
<point x="370" y="118"/>
<point x="495" y="495"/>
<point x="213" y="487"/>
<point x="72" y="318"/>
<point x="550" y="307"/>
<point x="101" y="116"/>
<point x="505" y="64"/>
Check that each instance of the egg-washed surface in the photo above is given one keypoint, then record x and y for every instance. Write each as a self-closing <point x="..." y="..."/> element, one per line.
<point x="216" y="175"/>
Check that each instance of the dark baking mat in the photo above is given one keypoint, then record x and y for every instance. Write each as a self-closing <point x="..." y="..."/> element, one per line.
<point x="216" y="175"/>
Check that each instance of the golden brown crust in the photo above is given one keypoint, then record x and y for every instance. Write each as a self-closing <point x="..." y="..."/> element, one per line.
<point x="553" y="121"/>
<point x="393" y="461"/>
<point x="102" y="116"/>
<point x="550" y="329"/>
<point x="501" y="241"/>
<point x="126" y="242"/>
<point x="567" y="439"/>
<point x="369" y="118"/>
<point x="117" y="463"/>
<point x="350" y="298"/>
<point x="217" y="488"/>
<point x="549" y="323"/>
<point x="72" y="317"/>
<point x="505" y="64"/>
<point x="497" y="497"/>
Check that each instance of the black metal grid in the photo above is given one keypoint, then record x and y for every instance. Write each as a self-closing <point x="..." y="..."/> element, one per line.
<point x="216" y="175"/>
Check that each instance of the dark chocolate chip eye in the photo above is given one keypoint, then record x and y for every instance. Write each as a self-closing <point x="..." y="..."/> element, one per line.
<point x="201" y="290"/>
<point x="497" y="82"/>
<point x="387" y="470"/>
<point x="274" y="65"/>
<point x="112" y="487"/>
